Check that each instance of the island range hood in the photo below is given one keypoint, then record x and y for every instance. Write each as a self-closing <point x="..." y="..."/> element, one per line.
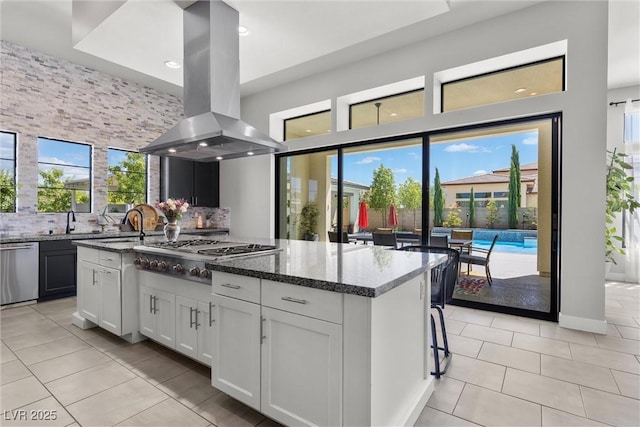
<point x="212" y="129"/>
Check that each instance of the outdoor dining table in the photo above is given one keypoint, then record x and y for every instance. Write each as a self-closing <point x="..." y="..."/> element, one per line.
<point x="400" y="237"/>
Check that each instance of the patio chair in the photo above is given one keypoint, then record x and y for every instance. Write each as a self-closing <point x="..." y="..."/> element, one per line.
<point x="462" y="235"/>
<point x="384" y="230"/>
<point x="385" y="239"/>
<point x="443" y="281"/>
<point x="440" y="240"/>
<point x="479" y="256"/>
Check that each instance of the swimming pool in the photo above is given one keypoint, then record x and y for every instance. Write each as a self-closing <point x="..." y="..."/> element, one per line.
<point x="531" y="247"/>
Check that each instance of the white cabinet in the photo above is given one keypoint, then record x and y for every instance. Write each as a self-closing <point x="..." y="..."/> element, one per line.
<point x="236" y="349"/>
<point x="283" y="356"/>
<point x="158" y="315"/>
<point x="193" y="328"/>
<point x="301" y="369"/>
<point x="99" y="295"/>
<point x="176" y="313"/>
<point x="107" y="292"/>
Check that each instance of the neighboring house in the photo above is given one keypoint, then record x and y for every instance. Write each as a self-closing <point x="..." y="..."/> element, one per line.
<point x="493" y="186"/>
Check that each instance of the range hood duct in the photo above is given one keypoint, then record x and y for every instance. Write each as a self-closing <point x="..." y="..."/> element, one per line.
<point x="212" y="129"/>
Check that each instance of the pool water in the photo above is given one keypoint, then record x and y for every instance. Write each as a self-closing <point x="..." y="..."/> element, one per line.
<point x="531" y="247"/>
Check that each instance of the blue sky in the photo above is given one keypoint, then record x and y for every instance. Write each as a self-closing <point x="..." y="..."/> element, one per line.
<point x="456" y="159"/>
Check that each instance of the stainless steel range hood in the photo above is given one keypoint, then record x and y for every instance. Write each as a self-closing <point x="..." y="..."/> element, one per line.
<point x="212" y="129"/>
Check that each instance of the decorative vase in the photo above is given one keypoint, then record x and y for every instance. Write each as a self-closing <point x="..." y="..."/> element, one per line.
<point x="171" y="231"/>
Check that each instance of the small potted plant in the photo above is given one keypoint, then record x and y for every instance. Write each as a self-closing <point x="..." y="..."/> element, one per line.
<point x="619" y="198"/>
<point x="309" y="221"/>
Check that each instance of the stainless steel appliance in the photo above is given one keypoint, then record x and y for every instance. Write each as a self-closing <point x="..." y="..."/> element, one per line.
<point x="186" y="259"/>
<point x="212" y="129"/>
<point x="18" y="272"/>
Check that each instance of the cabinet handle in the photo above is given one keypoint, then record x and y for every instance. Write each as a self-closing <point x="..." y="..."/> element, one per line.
<point x="210" y="314"/>
<point x="94" y="277"/>
<point x="151" y="304"/>
<point x="197" y="324"/>
<point x="155" y="305"/>
<point x="229" y="285"/>
<point x="108" y="259"/>
<point x="262" y="335"/>
<point x="296" y="300"/>
<point x="190" y="317"/>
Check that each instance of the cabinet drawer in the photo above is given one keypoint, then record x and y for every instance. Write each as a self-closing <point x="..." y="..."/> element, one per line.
<point x="310" y="302"/>
<point x="110" y="259"/>
<point x="88" y="254"/>
<point x="235" y="286"/>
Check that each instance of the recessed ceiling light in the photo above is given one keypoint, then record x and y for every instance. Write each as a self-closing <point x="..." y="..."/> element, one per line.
<point x="219" y="158"/>
<point x="203" y="144"/>
<point x="172" y="64"/>
<point x="393" y="114"/>
<point x="520" y="90"/>
<point x="242" y="30"/>
<point x="533" y="93"/>
<point x="172" y="150"/>
<point x="249" y="153"/>
<point x="308" y="131"/>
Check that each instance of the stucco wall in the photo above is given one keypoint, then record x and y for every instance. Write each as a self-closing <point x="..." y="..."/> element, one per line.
<point x="583" y="105"/>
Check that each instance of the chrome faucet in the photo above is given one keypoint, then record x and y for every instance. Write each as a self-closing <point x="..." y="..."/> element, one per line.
<point x="70" y="227"/>
<point x="126" y="215"/>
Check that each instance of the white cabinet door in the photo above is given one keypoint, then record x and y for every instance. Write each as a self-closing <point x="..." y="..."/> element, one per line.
<point x="147" y="315"/>
<point x="205" y="333"/>
<point x="110" y="300"/>
<point x="88" y="291"/>
<point x="236" y="349"/>
<point x="165" y="313"/>
<point x="186" y="329"/>
<point x="301" y="369"/>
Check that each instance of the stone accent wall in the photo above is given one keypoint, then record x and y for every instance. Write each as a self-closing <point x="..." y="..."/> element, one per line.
<point x="44" y="96"/>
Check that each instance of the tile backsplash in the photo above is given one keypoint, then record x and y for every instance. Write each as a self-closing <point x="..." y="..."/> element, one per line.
<point x="14" y="225"/>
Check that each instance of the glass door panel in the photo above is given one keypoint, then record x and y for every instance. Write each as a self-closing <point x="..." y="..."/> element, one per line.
<point x="305" y="195"/>
<point x="378" y="179"/>
<point x="498" y="181"/>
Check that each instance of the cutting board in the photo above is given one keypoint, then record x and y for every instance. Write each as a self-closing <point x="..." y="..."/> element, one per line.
<point x="150" y="217"/>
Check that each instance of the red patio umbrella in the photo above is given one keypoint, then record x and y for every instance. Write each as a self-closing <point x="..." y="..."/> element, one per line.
<point x="393" y="217"/>
<point x="363" y="218"/>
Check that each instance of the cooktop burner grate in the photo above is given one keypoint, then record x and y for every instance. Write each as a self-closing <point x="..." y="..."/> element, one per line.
<point x="185" y="243"/>
<point x="237" y="250"/>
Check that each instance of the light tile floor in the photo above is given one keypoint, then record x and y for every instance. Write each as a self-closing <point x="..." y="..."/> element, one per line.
<point x="506" y="370"/>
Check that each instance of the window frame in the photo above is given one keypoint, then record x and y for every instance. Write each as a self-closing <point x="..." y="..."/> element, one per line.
<point x="284" y="124"/>
<point x="381" y="99"/>
<point x="145" y="173"/>
<point x="89" y="168"/>
<point x="14" y="160"/>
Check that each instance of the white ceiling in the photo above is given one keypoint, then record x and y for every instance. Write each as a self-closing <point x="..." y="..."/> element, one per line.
<point x="288" y="39"/>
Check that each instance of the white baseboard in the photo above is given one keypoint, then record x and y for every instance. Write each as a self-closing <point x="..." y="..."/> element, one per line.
<point x="81" y="322"/>
<point x="583" y="324"/>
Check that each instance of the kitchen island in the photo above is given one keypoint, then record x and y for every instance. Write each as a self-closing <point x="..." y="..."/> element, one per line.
<point x="308" y="333"/>
<point x="324" y="333"/>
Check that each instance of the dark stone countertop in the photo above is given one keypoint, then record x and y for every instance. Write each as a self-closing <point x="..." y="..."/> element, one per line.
<point x="363" y="270"/>
<point x="119" y="235"/>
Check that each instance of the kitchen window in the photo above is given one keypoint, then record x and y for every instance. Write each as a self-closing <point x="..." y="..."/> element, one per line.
<point x="388" y="109"/>
<point x="522" y="81"/>
<point x="64" y="176"/>
<point x="127" y="179"/>
<point x="7" y="172"/>
<point x="308" y="125"/>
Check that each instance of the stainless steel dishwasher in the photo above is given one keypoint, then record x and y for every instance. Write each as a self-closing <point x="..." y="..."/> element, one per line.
<point x="18" y="272"/>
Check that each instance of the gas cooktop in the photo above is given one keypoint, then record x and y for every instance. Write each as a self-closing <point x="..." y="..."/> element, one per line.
<point x="186" y="258"/>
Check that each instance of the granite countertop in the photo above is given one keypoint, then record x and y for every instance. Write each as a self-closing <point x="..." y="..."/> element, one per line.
<point x="119" y="235"/>
<point x="362" y="270"/>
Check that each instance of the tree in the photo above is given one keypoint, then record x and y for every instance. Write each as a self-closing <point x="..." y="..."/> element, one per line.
<point x="130" y="178"/>
<point x="7" y="192"/>
<point x="52" y="194"/>
<point x="514" y="187"/>
<point x="453" y="218"/>
<point x="438" y="200"/>
<point x="492" y="213"/>
<point x="383" y="191"/>
<point x="472" y="210"/>
<point x="410" y="196"/>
